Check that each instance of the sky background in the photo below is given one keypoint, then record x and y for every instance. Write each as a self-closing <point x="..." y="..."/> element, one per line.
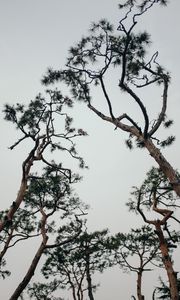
<point x="35" y="35"/>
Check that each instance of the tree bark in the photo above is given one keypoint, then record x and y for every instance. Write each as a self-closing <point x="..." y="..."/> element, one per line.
<point x="167" y="263"/>
<point x="15" y="205"/>
<point x="164" y="165"/>
<point x="163" y="246"/>
<point x="139" y="286"/>
<point x="26" y="167"/>
<point x="30" y="272"/>
<point x="154" y="151"/>
<point x="4" y="250"/>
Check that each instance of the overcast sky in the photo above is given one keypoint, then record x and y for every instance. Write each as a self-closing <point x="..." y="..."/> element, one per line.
<point x="35" y="35"/>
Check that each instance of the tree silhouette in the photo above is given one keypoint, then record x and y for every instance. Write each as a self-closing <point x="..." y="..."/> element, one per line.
<point x="37" y="124"/>
<point x="46" y="194"/>
<point x="137" y="251"/>
<point x="74" y="264"/>
<point x="155" y="192"/>
<point x="123" y="53"/>
<point x="51" y="196"/>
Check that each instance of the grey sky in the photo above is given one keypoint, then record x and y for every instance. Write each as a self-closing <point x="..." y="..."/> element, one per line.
<point x="37" y="34"/>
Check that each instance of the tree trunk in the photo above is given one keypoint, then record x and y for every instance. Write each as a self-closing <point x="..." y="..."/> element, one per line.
<point x="167" y="264"/>
<point x="154" y="151"/>
<point x="73" y="292"/>
<point x="72" y="286"/>
<point x="164" y="165"/>
<point x="88" y="277"/>
<point x="30" y="272"/>
<point x="80" y="291"/>
<point x="26" y="167"/>
<point x="15" y="205"/>
<point x="4" y="250"/>
<point x="139" y="286"/>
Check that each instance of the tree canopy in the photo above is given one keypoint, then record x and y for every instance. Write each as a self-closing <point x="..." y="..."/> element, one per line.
<point x="48" y="210"/>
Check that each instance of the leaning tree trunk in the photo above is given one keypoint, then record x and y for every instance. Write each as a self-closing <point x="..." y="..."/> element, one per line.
<point x="15" y="205"/>
<point x="164" y="165"/>
<point x="26" y="168"/>
<point x="6" y="246"/>
<point x="35" y="260"/>
<point x="167" y="263"/>
<point x="30" y="272"/>
<point x="154" y="151"/>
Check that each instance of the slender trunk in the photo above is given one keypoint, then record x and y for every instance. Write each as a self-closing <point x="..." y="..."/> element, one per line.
<point x="139" y="285"/>
<point x="35" y="260"/>
<point x="73" y="292"/>
<point x="72" y="287"/>
<point x="30" y="272"/>
<point x="88" y="277"/>
<point x="167" y="263"/>
<point x="153" y="295"/>
<point x="4" y="250"/>
<point x="78" y="295"/>
<point x="26" y="167"/>
<point x="80" y="291"/>
<point x="20" y="196"/>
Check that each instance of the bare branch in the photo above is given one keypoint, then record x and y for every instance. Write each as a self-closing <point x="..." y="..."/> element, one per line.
<point x="107" y="98"/>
